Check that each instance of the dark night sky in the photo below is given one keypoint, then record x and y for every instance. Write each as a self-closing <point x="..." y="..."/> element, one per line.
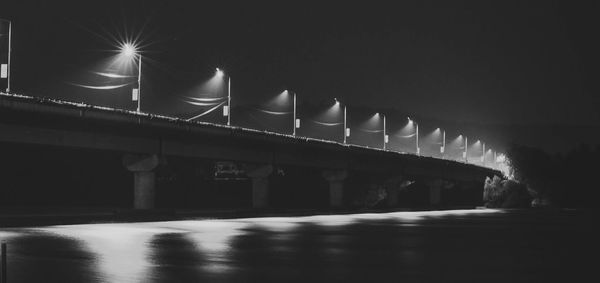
<point x="485" y="63"/>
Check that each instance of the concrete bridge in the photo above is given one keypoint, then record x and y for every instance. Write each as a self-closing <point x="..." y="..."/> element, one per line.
<point x="144" y="139"/>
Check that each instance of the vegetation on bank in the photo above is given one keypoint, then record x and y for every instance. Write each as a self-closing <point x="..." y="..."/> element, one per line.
<point x="562" y="180"/>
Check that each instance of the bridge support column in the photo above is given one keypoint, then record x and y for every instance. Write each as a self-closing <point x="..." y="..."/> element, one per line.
<point x="435" y="191"/>
<point x="144" y="179"/>
<point x="336" y="186"/>
<point x="260" y="185"/>
<point x="392" y="187"/>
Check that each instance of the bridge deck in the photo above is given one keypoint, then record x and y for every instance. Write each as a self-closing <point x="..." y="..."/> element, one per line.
<point x="25" y="119"/>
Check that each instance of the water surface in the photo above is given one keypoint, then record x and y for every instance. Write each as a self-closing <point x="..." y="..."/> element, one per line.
<point x="435" y="246"/>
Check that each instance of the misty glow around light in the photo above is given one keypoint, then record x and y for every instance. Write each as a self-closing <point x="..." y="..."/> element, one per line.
<point x="278" y="105"/>
<point x="129" y="49"/>
<point x="283" y="99"/>
<point x="434" y="137"/>
<point x="208" y="96"/>
<point x="333" y="116"/>
<point x="408" y="131"/>
<point x="373" y="124"/>
<point x="113" y="75"/>
<point x="123" y="65"/>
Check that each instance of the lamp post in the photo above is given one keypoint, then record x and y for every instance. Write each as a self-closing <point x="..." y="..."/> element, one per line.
<point x="417" y="139"/>
<point x="346" y="129"/>
<point x="444" y="144"/>
<point x="296" y="122"/>
<point x="385" y="136"/>
<point x="227" y="108"/>
<point x="228" y="101"/>
<point x="483" y="155"/>
<point x="139" y="102"/>
<point x="466" y="147"/>
<point x="410" y="121"/>
<point x="5" y="68"/>
<point x="443" y="147"/>
<point x="495" y="163"/>
<point x="130" y="50"/>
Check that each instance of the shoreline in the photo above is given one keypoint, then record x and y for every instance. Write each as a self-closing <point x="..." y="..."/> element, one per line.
<point x="68" y="216"/>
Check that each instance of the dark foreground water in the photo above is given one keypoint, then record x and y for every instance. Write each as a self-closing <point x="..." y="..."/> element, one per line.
<point x="437" y="246"/>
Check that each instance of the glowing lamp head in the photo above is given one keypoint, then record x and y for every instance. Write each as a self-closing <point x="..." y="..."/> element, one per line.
<point x="129" y="50"/>
<point x="219" y="72"/>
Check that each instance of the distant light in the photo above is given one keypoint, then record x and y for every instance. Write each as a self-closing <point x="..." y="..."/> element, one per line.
<point x="128" y="49"/>
<point x="220" y="72"/>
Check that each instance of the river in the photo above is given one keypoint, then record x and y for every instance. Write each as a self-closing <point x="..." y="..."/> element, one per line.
<point x="432" y="246"/>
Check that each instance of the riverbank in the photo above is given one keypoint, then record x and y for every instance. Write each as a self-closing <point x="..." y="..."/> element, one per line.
<point x="24" y="216"/>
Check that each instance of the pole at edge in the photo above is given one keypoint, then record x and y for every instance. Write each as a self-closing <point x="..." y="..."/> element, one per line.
<point x="139" y="101"/>
<point x="9" y="54"/>
<point x="3" y="260"/>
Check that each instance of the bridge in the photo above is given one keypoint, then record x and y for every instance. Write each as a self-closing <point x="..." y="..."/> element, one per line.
<point x="145" y="139"/>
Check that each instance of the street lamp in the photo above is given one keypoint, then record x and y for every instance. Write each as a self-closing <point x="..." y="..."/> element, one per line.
<point x="483" y="155"/>
<point x="385" y="136"/>
<point x="227" y="108"/>
<point x="5" y="68"/>
<point x="443" y="148"/>
<point x="346" y="129"/>
<point x="443" y="144"/>
<point x="416" y="134"/>
<point x="296" y="121"/>
<point x="495" y="163"/>
<point x="466" y="147"/>
<point x="130" y="51"/>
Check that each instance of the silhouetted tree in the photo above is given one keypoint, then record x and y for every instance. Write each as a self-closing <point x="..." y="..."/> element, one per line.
<point x="564" y="180"/>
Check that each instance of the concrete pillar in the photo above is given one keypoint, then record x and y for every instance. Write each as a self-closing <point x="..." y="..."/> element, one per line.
<point x="144" y="179"/>
<point x="435" y="191"/>
<point x="336" y="186"/>
<point x="260" y="184"/>
<point x="392" y="197"/>
<point x="392" y="187"/>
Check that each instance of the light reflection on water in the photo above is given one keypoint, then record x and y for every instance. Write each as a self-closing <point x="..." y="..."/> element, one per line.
<point x="332" y="247"/>
<point x="120" y="250"/>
